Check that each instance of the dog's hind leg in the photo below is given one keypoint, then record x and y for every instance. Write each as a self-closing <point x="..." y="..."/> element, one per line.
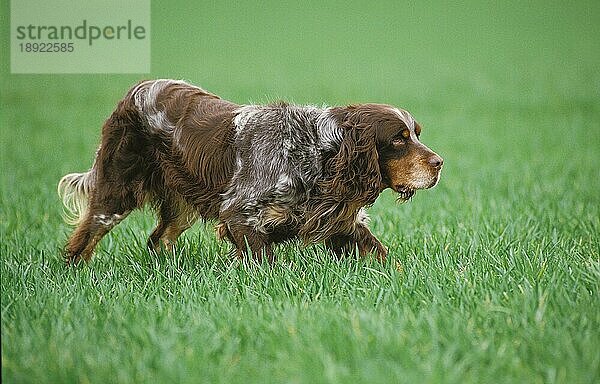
<point x="106" y="208"/>
<point x="174" y="218"/>
<point x="89" y="232"/>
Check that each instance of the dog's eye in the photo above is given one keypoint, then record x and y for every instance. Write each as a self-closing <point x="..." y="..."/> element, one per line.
<point x="401" y="138"/>
<point x="417" y="130"/>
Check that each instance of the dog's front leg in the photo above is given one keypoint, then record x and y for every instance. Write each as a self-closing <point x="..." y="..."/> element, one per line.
<point x="249" y="241"/>
<point x="361" y="239"/>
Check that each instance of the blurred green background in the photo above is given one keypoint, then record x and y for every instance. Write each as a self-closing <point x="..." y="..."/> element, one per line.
<point x="500" y="262"/>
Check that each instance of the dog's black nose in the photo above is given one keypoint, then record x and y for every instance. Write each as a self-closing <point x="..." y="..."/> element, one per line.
<point x="436" y="161"/>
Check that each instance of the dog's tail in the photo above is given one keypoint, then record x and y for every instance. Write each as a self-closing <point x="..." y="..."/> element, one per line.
<point x="74" y="190"/>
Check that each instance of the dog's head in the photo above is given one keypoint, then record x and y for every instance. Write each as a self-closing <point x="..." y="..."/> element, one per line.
<point x="381" y="149"/>
<point x="406" y="164"/>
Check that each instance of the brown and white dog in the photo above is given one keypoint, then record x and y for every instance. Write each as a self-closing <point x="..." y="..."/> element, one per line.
<point x="267" y="173"/>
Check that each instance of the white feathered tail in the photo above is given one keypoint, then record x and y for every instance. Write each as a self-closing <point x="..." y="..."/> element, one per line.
<point x="73" y="190"/>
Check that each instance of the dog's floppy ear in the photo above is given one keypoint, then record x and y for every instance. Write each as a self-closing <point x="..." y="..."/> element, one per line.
<point x="353" y="173"/>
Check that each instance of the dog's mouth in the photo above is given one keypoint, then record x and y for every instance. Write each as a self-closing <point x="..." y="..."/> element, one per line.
<point x="404" y="192"/>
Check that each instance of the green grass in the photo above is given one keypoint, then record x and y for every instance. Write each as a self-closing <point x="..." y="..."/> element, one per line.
<point x="493" y="276"/>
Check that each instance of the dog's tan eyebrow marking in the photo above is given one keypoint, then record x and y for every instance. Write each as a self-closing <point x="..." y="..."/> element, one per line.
<point x="417" y="128"/>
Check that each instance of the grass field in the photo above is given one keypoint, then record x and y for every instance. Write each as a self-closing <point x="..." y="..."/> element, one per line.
<point x="494" y="275"/>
